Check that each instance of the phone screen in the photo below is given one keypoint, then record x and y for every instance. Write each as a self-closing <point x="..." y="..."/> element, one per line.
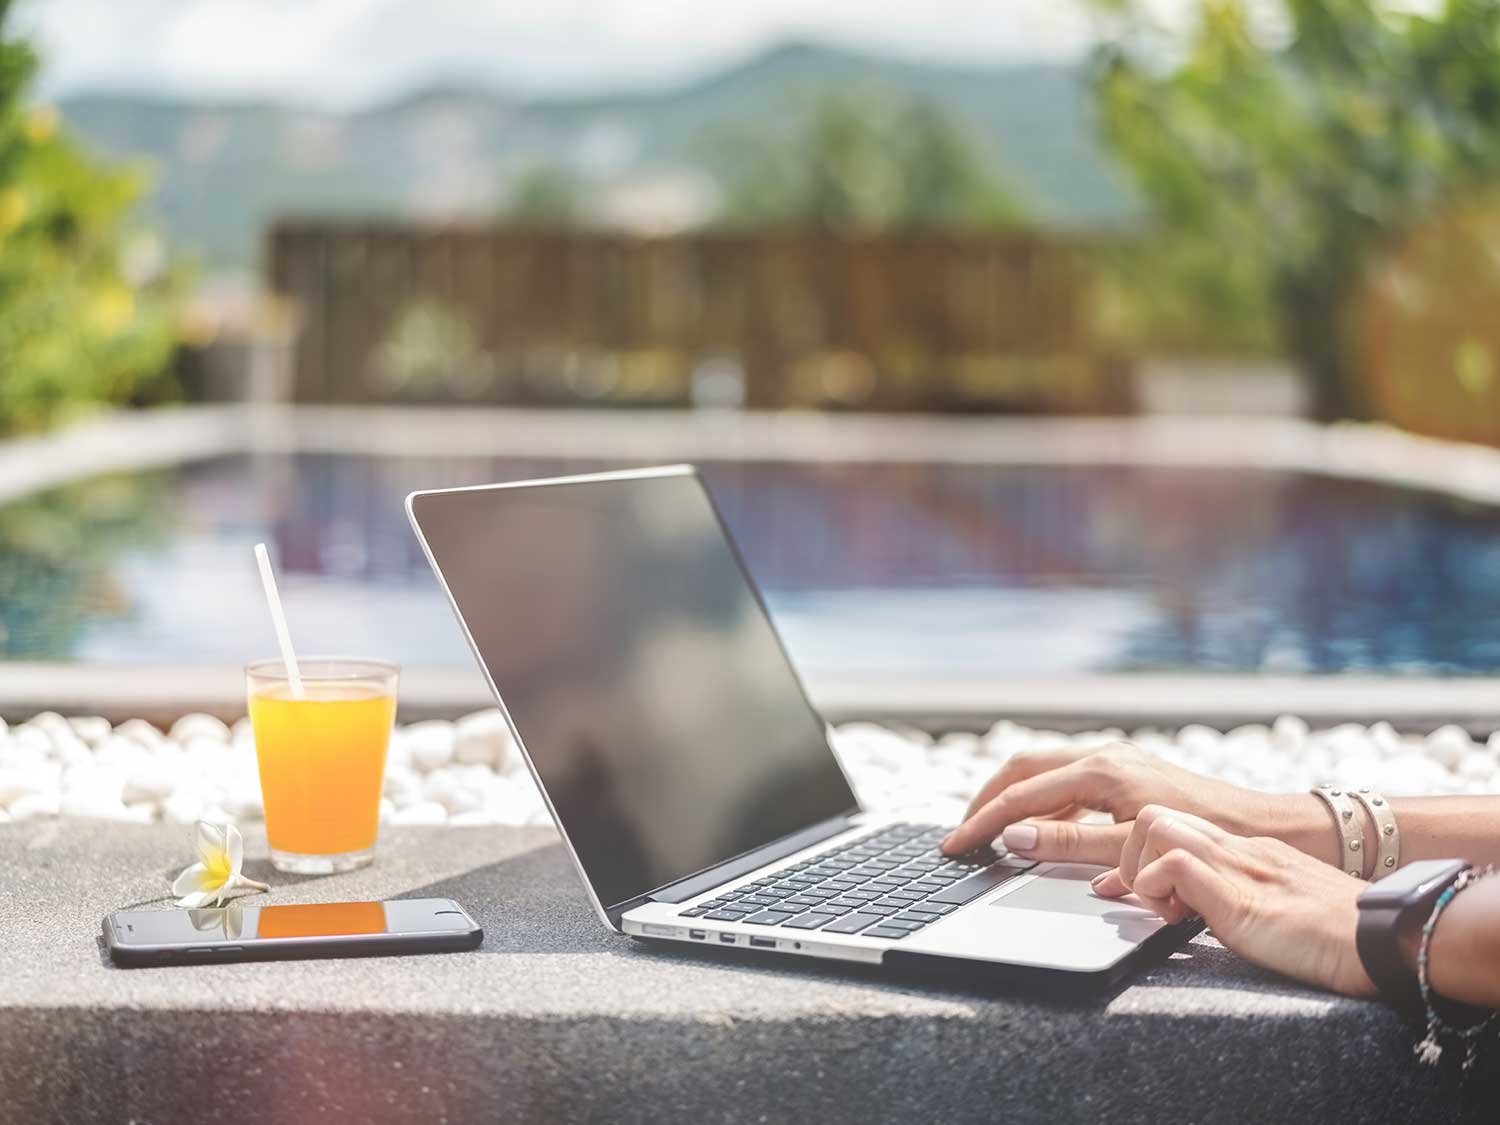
<point x="238" y="924"/>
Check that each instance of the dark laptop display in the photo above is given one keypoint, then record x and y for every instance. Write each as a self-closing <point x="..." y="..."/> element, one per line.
<point x="641" y="671"/>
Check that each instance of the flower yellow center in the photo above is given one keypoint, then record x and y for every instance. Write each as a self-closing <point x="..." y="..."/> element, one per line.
<point x="218" y="868"/>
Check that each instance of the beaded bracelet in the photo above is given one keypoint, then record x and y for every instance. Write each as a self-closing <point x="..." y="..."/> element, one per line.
<point x="1429" y="1050"/>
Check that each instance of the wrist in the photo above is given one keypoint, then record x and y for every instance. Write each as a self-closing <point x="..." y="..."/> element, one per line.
<point x="1302" y="820"/>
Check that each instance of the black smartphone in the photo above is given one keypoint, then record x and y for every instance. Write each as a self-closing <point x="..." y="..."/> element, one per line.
<point x="240" y="932"/>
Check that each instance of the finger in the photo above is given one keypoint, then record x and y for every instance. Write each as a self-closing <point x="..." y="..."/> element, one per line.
<point x="1157" y="830"/>
<point x="1066" y="785"/>
<point x="1110" y="885"/>
<point x="1020" y="766"/>
<point x="1188" y="883"/>
<point x="1067" y="840"/>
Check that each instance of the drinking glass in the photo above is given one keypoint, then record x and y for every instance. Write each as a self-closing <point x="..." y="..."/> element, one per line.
<point x="322" y="758"/>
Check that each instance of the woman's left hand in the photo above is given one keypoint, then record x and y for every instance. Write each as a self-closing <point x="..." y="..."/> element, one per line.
<point x="1264" y="899"/>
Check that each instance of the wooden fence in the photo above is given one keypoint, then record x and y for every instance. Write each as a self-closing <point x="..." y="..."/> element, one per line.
<point x="499" y="314"/>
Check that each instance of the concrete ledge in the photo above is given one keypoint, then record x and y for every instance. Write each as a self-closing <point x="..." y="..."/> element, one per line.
<point x="164" y="694"/>
<point x="555" y="1019"/>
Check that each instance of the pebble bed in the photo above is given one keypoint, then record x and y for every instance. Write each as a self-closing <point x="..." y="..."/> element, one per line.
<point x="468" y="772"/>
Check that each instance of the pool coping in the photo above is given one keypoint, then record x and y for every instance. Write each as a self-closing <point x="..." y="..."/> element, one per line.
<point x="134" y="440"/>
<point x="163" y="694"/>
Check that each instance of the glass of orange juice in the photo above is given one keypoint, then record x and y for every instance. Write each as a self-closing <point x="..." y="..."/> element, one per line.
<point x="322" y="758"/>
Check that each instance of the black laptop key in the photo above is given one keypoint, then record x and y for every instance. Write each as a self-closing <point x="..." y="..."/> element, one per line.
<point x="908" y="895"/>
<point x="877" y="908"/>
<point x="829" y="908"/>
<point x="845" y="900"/>
<point x="927" y="887"/>
<point x="883" y="864"/>
<point x="770" y="917"/>
<point x="909" y="925"/>
<point x="692" y="912"/>
<point x="919" y="919"/>
<point x="852" y="923"/>
<point x="862" y="896"/>
<point x="798" y="900"/>
<point x="724" y="916"/>
<point x="839" y="885"/>
<point x="757" y="900"/>
<point x="809" y="921"/>
<point x="936" y="909"/>
<point x="891" y="932"/>
<point x="791" y="888"/>
<point x="966" y="890"/>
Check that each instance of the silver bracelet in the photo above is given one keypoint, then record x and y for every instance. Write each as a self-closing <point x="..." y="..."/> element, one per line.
<point x="1387" y="835"/>
<point x="1351" y="832"/>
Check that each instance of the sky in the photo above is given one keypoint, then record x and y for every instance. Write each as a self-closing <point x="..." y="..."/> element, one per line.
<point x="343" y="53"/>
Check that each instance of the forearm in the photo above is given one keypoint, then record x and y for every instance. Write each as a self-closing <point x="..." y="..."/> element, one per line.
<point x="1431" y="827"/>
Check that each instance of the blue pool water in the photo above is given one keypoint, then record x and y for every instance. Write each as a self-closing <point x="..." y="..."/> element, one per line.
<point x="906" y="571"/>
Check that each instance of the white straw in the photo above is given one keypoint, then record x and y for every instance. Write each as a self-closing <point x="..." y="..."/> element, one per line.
<point x="278" y="619"/>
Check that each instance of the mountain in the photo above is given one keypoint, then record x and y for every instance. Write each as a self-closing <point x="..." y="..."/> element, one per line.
<point x="222" y="172"/>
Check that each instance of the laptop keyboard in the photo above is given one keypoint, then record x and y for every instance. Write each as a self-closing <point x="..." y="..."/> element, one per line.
<point x="888" y="883"/>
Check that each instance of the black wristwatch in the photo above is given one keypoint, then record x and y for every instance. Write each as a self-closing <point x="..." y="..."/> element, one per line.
<point x="1395" y="908"/>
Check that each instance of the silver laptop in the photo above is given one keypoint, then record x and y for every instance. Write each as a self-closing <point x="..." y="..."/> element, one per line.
<point x="691" y="779"/>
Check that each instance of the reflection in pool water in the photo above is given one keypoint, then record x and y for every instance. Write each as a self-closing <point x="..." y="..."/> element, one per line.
<point x="922" y="571"/>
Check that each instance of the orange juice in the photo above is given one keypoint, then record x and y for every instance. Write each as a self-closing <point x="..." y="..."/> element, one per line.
<point x="322" y="764"/>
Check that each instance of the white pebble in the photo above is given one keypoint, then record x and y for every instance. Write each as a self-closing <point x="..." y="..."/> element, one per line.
<point x="198" y="725"/>
<point x="422" y="813"/>
<point x="142" y="733"/>
<point x="93" y="729"/>
<point x="34" y="806"/>
<point x="150" y="782"/>
<point x="1475" y="765"/>
<point x="474" y="818"/>
<point x="402" y="785"/>
<point x="481" y="738"/>
<point x="18" y="783"/>
<point x="1447" y="745"/>
<point x="429" y="744"/>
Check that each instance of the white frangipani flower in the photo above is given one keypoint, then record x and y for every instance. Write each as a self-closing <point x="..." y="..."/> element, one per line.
<point x="221" y="853"/>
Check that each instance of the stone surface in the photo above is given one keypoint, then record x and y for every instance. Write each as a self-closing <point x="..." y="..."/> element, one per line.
<point x="556" y="1019"/>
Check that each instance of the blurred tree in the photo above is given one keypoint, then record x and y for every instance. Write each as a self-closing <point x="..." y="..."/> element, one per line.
<point x="547" y="195"/>
<point x="860" y="158"/>
<point x="1284" y="146"/>
<point x="86" y="304"/>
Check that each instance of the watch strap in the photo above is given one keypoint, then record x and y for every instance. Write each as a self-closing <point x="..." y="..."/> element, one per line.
<point x="1377" y="940"/>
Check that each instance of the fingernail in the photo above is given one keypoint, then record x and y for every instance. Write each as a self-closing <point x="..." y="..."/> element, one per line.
<point x="1099" y="878"/>
<point x="1020" y="837"/>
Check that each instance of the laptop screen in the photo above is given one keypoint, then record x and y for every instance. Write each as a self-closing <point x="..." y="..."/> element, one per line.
<point x="640" y="670"/>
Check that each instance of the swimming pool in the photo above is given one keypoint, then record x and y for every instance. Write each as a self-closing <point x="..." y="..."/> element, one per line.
<point x="891" y="571"/>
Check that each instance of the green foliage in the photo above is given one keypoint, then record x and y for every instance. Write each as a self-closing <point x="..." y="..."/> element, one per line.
<point x="858" y="158"/>
<point x="85" y="303"/>
<point x="546" y="195"/>
<point x="1285" y="147"/>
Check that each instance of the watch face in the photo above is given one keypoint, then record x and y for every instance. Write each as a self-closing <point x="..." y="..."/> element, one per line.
<point x="1413" y="883"/>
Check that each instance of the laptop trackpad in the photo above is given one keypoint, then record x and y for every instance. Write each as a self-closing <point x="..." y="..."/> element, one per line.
<point x="1063" y="890"/>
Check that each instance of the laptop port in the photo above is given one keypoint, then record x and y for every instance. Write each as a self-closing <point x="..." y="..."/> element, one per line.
<point x="698" y="935"/>
<point x="763" y="942"/>
<point x="727" y="939"/>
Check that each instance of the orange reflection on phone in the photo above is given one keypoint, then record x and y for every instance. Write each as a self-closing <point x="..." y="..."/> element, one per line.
<point x="321" y="919"/>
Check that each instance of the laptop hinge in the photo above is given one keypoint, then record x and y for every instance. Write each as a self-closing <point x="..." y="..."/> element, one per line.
<point x="684" y="889"/>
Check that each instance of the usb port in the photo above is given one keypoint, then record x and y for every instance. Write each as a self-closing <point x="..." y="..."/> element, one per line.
<point x="727" y="939"/>
<point x="763" y="942"/>
<point x="697" y="935"/>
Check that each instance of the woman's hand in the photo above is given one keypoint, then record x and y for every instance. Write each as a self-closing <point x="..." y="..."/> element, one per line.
<point x="1046" y="788"/>
<point x="1262" y="898"/>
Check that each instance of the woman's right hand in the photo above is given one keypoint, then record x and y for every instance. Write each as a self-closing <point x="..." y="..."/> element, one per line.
<point x="1033" y="800"/>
